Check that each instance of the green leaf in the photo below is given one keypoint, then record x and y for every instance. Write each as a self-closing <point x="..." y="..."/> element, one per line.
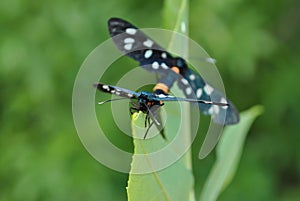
<point x="161" y="169"/>
<point x="175" y="13"/>
<point x="229" y="151"/>
<point x="164" y="179"/>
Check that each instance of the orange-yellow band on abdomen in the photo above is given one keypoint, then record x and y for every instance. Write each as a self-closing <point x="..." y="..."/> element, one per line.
<point x="162" y="87"/>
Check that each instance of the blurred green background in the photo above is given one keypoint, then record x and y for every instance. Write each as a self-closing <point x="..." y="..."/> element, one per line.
<point x="43" y="44"/>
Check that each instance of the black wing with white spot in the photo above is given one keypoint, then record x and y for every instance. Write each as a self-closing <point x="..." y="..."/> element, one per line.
<point x="194" y="86"/>
<point x="135" y="44"/>
<point x="116" y="90"/>
<point x="152" y="57"/>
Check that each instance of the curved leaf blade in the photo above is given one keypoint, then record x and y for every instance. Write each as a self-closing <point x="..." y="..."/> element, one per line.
<point x="175" y="182"/>
<point x="229" y="151"/>
<point x="172" y="183"/>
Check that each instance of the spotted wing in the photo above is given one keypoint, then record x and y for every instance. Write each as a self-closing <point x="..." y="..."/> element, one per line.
<point x="116" y="90"/>
<point x="194" y="86"/>
<point x="135" y="44"/>
<point x="152" y="57"/>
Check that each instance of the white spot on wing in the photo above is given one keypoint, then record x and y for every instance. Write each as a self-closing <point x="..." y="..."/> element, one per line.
<point x="164" y="66"/>
<point x="216" y="109"/>
<point x="223" y="100"/>
<point x="148" y="54"/>
<point x="210" y="110"/>
<point x="155" y="65"/>
<point x="129" y="40"/>
<point x="164" y="55"/>
<point x="192" y="77"/>
<point x="188" y="91"/>
<point x="199" y="93"/>
<point x="148" y="43"/>
<point x="184" y="81"/>
<point x="105" y="87"/>
<point x="208" y="89"/>
<point x="128" y="46"/>
<point x="130" y="31"/>
<point x="128" y="43"/>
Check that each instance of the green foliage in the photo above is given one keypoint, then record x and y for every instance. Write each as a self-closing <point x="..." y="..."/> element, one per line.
<point x="173" y="182"/>
<point x="229" y="151"/>
<point x="174" y="13"/>
<point x="42" y="45"/>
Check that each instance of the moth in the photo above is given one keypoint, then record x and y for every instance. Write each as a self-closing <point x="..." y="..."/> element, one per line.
<point x="147" y="102"/>
<point x="152" y="57"/>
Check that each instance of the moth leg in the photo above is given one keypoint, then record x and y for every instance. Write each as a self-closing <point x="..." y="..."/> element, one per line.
<point x="157" y="117"/>
<point x="150" y="113"/>
<point x="133" y="110"/>
<point x="147" y="120"/>
<point x="150" y="125"/>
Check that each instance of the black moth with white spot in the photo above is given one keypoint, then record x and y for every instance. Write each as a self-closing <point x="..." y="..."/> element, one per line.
<point x="147" y="102"/>
<point x="154" y="58"/>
